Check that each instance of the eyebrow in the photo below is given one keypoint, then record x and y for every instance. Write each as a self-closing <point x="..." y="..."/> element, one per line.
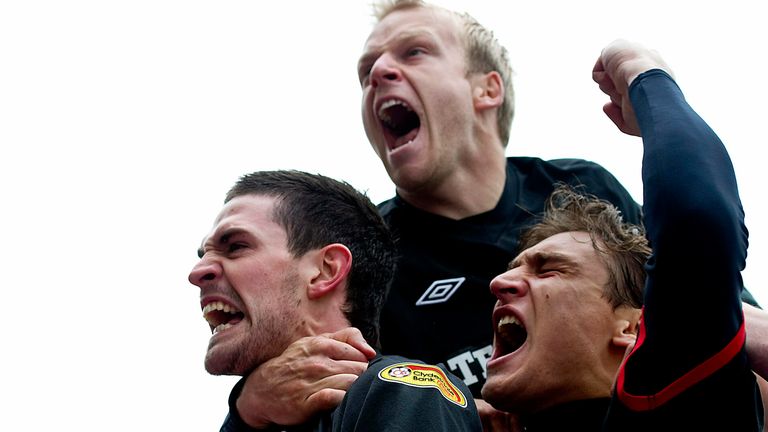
<point x="369" y="57"/>
<point x="221" y="237"/>
<point x="540" y="258"/>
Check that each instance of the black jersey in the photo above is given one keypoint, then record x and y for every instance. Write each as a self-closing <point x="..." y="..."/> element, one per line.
<point x="439" y="307"/>
<point x="393" y="394"/>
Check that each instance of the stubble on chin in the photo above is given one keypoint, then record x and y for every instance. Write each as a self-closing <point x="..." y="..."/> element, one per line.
<point x="263" y="335"/>
<point x="265" y="340"/>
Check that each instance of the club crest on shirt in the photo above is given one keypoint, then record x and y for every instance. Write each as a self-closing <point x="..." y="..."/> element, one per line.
<point x="424" y="376"/>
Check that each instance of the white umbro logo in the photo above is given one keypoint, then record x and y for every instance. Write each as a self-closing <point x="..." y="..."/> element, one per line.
<point x="440" y="291"/>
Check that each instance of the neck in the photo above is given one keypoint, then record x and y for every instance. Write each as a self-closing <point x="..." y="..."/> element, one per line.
<point x="474" y="189"/>
<point x="325" y="314"/>
<point x="585" y="414"/>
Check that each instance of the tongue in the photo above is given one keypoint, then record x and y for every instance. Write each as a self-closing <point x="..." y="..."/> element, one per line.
<point x="410" y="136"/>
<point x="236" y="318"/>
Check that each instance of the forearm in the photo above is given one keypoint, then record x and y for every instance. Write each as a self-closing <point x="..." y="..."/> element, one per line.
<point x="687" y="173"/>
<point x="693" y="214"/>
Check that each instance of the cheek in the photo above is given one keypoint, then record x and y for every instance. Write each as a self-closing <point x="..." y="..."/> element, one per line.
<point x="556" y="296"/>
<point x="591" y="322"/>
<point x="453" y="99"/>
<point x="253" y="284"/>
<point x="240" y="274"/>
<point x="569" y="312"/>
<point x="366" y="109"/>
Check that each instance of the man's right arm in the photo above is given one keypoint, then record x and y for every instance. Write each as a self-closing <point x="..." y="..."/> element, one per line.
<point x="309" y="377"/>
<point x="695" y="225"/>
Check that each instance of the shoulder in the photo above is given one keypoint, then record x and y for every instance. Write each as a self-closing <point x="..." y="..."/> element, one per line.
<point x="386" y="207"/>
<point x="418" y="379"/>
<point x="556" y="167"/>
<point x="396" y="393"/>
<point x="537" y="177"/>
<point x="532" y="171"/>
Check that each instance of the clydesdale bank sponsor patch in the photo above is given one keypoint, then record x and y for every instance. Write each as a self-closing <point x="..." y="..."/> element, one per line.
<point x="426" y="376"/>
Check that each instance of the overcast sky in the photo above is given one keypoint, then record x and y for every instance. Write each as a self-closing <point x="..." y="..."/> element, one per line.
<point x="123" y="124"/>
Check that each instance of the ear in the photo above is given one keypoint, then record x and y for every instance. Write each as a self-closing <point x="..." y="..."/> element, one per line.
<point x="333" y="262"/>
<point x="487" y="90"/>
<point x="625" y="327"/>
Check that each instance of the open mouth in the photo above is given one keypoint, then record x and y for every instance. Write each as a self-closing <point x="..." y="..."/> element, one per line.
<point x="221" y="316"/>
<point x="510" y="335"/>
<point x="399" y="121"/>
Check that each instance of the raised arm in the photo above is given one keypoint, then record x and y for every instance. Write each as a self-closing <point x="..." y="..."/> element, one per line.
<point x="690" y="354"/>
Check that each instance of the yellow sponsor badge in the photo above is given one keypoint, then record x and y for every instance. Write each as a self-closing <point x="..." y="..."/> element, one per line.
<point x="425" y="376"/>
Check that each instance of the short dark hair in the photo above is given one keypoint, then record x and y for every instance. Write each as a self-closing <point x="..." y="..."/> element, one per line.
<point x="623" y="245"/>
<point x="316" y="211"/>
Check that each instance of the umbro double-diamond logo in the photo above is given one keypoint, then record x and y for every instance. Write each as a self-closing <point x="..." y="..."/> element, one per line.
<point x="440" y="291"/>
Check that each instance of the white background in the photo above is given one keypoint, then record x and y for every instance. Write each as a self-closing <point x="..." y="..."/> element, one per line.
<point x="122" y="125"/>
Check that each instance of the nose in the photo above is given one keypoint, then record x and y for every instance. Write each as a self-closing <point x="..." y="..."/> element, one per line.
<point x="385" y="70"/>
<point x="204" y="272"/>
<point x="509" y="285"/>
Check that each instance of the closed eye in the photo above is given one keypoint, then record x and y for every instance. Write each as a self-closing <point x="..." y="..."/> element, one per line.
<point x="548" y="272"/>
<point x="234" y="247"/>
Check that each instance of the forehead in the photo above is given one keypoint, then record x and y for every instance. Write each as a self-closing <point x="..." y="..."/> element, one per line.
<point x="250" y="213"/>
<point x="435" y="22"/>
<point x="574" y="246"/>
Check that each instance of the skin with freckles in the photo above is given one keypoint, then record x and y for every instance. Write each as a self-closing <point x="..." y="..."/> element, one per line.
<point x="555" y="288"/>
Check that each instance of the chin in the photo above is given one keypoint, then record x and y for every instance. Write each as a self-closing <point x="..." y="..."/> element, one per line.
<point x="498" y="400"/>
<point x="220" y="364"/>
<point x="503" y="395"/>
<point x="214" y="367"/>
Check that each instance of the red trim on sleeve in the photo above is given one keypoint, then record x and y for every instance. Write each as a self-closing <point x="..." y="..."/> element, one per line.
<point x="695" y="375"/>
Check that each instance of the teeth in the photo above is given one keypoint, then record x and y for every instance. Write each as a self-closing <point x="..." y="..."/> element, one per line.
<point x="219" y="315"/>
<point x="218" y="306"/>
<point x="389" y="104"/>
<point x="509" y="319"/>
<point x="510" y="335"/>
<point x="221" y="327"/>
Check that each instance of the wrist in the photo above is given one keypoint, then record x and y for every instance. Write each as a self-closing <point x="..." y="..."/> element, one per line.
<point x="241" y="418"/>
<point x="245" y="411"/>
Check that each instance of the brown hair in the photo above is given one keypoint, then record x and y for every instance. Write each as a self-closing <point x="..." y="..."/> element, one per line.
<point x="623" y="246"/>
<point x="316" y="211"/>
